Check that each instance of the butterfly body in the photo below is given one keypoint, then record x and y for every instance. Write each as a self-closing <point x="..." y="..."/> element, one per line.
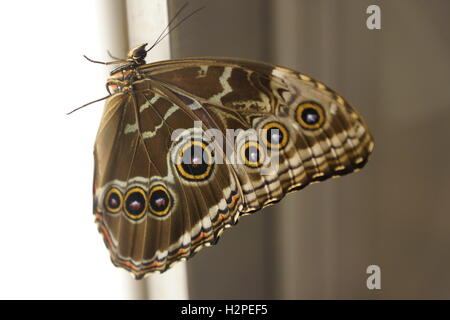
<point x="169" y="178"/>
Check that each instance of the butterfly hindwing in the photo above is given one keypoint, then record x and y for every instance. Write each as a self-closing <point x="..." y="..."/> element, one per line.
<point x="243" y="94"/>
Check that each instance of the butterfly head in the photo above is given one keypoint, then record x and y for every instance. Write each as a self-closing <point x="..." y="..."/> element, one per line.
<point x="136" y="57"/>
<point x="137" y="54"/>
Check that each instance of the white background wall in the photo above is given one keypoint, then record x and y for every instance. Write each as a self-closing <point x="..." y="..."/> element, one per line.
<point x="49" y="245"/>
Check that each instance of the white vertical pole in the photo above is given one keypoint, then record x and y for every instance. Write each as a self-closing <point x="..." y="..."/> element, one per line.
<point x="125" y="24"/>
<point x="146" y="20"/>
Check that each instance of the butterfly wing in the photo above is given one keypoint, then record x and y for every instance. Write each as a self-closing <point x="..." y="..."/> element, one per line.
<point x="155" y="207"/>
<point x="323" y="136"/>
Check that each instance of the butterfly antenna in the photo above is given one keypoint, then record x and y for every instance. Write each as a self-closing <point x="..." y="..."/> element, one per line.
<point x="85" y="105"/>
<point x="171" y="21"/>
<point x="170" y="29"/>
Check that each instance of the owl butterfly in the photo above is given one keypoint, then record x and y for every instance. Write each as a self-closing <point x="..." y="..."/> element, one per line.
<point x="160" y="195"/>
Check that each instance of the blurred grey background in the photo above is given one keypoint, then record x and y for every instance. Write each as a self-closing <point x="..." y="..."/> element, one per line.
<point x="395" y="213"/>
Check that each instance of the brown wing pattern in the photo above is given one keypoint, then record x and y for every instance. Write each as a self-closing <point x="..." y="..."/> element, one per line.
<point x="262" y="94"/>
<point x="154" y="208"/>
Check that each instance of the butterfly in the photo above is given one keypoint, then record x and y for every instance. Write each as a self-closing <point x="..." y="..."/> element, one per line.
<point x="160" y="195"/>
